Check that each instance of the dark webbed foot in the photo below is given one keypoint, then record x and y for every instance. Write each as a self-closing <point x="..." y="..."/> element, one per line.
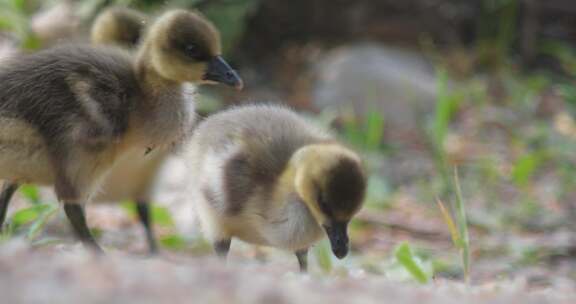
<point x="75" y="214"/>
<point x="143" y="210"/>
<point x="302" y="256"/>
<point x="222" y="247"/>
<point x="8" y="189"/>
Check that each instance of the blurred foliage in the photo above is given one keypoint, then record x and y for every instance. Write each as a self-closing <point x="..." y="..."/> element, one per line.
<point x="367" y="133"/>
<point x="30" y="221"/>
<point x="229" y="16"/>
<point x="496" y="31"/>
<point x="161" y="217"/>
<point x="15" y="18"/>
<point x="523" y="169"/>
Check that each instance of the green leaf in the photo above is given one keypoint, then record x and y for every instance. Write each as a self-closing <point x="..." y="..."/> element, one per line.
<point x="462" y="221"/>
<point x="162" y="216"/>
<point x="28" y="215"/>
<point x="173" y="241"/>
<point x="404" y="256"/>
<point x="31" y="193"/>
<point x="524" y="168"/>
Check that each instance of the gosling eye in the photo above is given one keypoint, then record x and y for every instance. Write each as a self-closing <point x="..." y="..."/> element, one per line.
<point x="192" y="51"/>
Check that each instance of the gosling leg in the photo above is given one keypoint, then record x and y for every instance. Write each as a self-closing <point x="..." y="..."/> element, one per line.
<point x="70" y="190"/>
<point x="8" y="189"/>
<point x="222" y="247"/>
<point x="302" y="256"/>
<point x="143" y="210"/>
<point x="75" y="214"/>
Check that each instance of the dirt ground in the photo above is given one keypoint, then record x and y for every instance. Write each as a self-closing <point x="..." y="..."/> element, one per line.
<point x="69" y="274"/>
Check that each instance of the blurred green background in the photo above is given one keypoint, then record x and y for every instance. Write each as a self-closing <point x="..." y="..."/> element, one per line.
<point x="462" y="109"/>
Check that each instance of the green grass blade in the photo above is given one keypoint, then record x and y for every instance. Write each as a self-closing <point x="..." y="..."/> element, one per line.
<point x="454" y="233"/>
<point x="323" y="255"/>
<point x="405" y="257"/>
<point x="443" y="109"/>
<point x="374" y="130"/>
<point x="462" y="227"/>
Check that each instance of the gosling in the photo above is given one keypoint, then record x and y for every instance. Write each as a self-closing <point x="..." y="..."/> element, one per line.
<point x="267" y="176"/>
<point x="68" y="114"/>
<point x="120" y="26"/>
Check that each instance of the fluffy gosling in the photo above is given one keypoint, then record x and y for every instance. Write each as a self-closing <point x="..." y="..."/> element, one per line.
<point x="267" y="176"/>
<point x="68" y="113"/>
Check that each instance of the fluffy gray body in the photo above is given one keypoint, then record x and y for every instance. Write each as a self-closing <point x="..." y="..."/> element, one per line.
<point x="72" y="110"/>
<point x="237" y="157"/>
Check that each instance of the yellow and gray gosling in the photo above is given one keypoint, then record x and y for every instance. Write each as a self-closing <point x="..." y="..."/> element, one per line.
<point x="68" y="113"/>
<point x="267" y="176"/>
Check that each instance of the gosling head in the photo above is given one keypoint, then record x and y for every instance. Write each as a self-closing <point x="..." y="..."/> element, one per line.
<point x="331" y="181"/>
<point x="118" y="26"/>
<point x="185" y="47"/>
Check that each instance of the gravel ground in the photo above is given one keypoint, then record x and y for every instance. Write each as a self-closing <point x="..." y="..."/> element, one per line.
<point x="69" y="274"/>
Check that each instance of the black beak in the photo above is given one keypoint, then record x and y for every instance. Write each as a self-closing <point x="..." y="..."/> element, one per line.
<point x="338" y="235"/>
<point x="219" y="71"/>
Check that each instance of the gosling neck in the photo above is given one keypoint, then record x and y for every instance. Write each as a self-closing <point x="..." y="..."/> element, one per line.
<point x="288" y="186"/>
<point x="150" y="79"/>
